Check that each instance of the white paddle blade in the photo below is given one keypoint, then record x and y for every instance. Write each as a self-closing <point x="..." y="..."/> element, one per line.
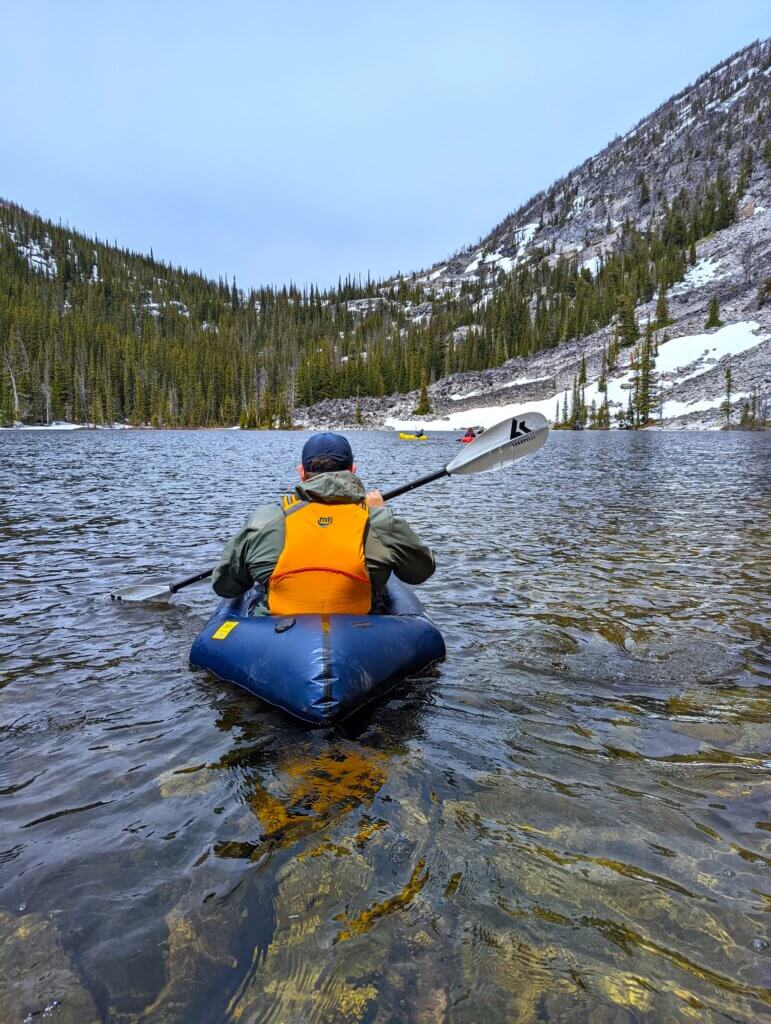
<point x="143" y="592"/>
<point x="506" y="442"/>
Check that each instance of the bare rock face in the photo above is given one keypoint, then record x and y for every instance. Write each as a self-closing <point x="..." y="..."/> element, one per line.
<point x="38" y="980"/>
<point x="679" y="145"/>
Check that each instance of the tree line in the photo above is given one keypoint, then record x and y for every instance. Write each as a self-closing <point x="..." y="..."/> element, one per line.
<point x="90" y="332"/>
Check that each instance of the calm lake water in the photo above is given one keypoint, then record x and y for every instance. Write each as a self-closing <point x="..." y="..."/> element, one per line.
<point x="568" y="821"/>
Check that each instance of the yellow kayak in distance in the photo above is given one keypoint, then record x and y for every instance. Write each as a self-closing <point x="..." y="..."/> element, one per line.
<point x="412" y="437"/>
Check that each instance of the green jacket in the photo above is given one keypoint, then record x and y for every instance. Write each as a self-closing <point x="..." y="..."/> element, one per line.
<point x="390" y="546"/>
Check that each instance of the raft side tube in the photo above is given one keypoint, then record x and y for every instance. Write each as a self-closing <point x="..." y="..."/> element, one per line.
<point x="319" y="669"/>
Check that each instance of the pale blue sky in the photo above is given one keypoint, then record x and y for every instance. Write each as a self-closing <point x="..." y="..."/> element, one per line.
<point x="304" y="140"/>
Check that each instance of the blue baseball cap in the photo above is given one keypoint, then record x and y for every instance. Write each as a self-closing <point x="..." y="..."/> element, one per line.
<point x="331" y="446"/>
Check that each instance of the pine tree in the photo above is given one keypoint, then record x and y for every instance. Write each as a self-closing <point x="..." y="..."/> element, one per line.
<point x="713" y="314"/>
<point x="574" y="403"/>
<point x="645" y="378"/>
<point x="628" y="329"/>
<point x="604" y="422"/>
<point x="582" y="371"/>
<point x="266" y="411"/>
<point x="613" y="352"/>
<point x="578" y="411"/>
<point x="284" y="413"/>
<point x="662" y="308"/>
<point x="744" y="416"/>
<point x="726" y="201"/>
<point x="6" y="397"/>
<point x="745" y="172"/>
<point x="424" y="406"/>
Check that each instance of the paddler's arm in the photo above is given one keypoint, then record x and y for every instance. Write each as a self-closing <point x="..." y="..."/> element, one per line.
<point x="251" y="555"/>
<point x="411" y="560"/>
<point x="231" y="578"/>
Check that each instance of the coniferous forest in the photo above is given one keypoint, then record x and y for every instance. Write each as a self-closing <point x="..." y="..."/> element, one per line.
<point x="93" y="333"/>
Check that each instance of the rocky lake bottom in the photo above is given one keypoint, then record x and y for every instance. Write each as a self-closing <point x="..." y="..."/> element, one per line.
<point x="568" y="820"/>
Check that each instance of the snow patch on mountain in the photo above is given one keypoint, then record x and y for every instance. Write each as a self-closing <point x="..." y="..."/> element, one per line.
<point x="673" y="409"/>
<point x="38" y="255"/>
<point x="704" y="271"/>
<point x="592" y="264"/>
<point x="679" y="359"/>
<point x="696" y="354"/>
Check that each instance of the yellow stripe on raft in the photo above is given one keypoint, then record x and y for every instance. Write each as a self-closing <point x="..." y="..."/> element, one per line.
<point x="413" y="437"/>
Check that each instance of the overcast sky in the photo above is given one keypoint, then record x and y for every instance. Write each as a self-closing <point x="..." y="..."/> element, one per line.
<point x="306" y="139"/>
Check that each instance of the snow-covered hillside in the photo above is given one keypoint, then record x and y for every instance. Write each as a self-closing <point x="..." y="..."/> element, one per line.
<point x="721" y="124"/>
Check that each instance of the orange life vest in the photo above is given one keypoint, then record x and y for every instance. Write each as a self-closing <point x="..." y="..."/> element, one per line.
<point x="322" y="568"/>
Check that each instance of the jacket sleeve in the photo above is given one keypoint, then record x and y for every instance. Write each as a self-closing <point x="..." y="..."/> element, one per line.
<point x="251" y="555"/>
<point x="412" y="561"/>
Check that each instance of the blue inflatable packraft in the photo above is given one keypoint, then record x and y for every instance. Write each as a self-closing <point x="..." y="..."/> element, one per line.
<point x="319" y="668"/>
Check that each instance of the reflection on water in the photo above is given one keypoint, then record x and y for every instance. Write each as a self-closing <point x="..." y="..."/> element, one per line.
<point x="568" y="822"/>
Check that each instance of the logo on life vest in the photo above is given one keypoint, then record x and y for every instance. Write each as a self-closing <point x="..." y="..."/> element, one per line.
<point x="325" y="520"/>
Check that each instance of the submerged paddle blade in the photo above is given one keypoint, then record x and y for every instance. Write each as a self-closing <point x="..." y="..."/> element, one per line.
<point x="505" y="442"/>
<point x="143" y="592"/>
<point x="149" y="591"/>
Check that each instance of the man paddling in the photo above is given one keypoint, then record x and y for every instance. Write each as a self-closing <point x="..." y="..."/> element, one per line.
<point x="328" y="548"/>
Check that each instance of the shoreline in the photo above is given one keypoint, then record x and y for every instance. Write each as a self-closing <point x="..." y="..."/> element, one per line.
<point x="700" y="427"/>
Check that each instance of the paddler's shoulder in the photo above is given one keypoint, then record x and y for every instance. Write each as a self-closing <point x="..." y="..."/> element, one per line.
<point x="262" y="516"/>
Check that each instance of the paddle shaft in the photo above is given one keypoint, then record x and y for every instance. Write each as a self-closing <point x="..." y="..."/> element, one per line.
<point x="190" y="580"/>
<point x="387" y="495"/>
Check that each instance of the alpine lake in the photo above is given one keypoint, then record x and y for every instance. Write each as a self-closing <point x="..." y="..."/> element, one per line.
<point x="568" y="820"/>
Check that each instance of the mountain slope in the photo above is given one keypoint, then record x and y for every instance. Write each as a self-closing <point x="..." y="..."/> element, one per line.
<point x="714" y="131"/>
<point x="681" y="145"/>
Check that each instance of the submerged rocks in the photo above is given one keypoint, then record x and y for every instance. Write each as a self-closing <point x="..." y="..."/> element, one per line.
<point x="38" y="980"/>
